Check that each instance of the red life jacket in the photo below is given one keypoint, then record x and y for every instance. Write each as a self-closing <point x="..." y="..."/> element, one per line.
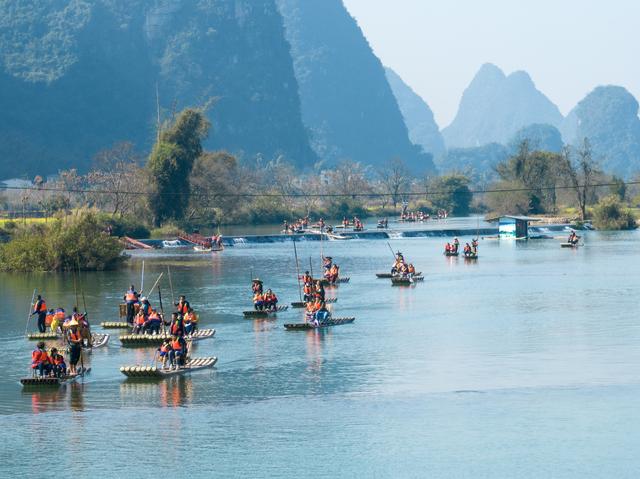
<point x="182" y="308"/>
<point x="58" y="359"/>
<point x="42" y="308"/>
<point x="176" y="345"/>
<point x="74" y="337"/>
<point x="131" y="296"/>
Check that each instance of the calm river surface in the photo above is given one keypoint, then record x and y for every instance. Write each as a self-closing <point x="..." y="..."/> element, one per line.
<point x="523" y="365"/>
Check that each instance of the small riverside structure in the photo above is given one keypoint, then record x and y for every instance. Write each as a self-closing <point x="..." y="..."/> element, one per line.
<point x="513" y="227"/>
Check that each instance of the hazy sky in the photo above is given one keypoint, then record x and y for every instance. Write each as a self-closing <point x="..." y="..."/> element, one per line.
<point x="568" y="46"/>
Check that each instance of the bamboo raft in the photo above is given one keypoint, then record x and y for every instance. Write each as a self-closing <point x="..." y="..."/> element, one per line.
<point x="325" y="282"/>
<point x="115" y="325"/>
<point x="154" y="372"/>
<point x="48" y="336"/>
<point x="390" y="275"/>
<point x="406" y="281"/>
<point x="471" y="256"/>
<point x="446" y="253"/>
<point x="569" y="245"/>
<point x="37" y="381"/>
<point x="264" y="313"/>
<point x="302" y="304"/>
<point x="309" y="326"/>
<point x="98" y="340"/>
<point x="148" y="340"/>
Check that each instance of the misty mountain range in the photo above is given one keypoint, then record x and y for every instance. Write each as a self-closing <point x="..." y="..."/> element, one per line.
<point x="291" y="79"/>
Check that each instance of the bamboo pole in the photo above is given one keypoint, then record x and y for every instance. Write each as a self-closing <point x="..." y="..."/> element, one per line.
<point x="295" y="250"/>
<point x="33" y="297"/>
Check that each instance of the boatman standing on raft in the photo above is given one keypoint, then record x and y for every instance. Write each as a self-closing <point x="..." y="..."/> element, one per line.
<point x="131" y="297"/>
<point x="40" y="308"/>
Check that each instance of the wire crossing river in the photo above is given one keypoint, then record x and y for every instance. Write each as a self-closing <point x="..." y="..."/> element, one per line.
<point x="524" y="363"/>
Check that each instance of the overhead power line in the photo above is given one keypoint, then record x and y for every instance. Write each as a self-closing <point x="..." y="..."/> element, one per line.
<point x="308" y="195"/>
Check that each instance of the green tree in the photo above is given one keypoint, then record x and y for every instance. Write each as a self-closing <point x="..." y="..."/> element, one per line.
<point x="580" y="173"/>
<point x="452" y="194"/>
<point x="618" y="187"/>
<point x="171" y="162"/>
<point x="610" y="214"/>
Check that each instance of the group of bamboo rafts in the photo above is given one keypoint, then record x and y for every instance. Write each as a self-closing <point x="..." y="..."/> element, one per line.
<point x="173" y="339"/>
<point x="312" y="297"/>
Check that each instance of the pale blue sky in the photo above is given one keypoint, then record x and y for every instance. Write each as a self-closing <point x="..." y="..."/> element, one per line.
<point x="568" y="46"/>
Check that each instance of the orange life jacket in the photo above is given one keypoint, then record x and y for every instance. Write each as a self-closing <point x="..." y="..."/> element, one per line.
<point x="42" y="308"/>
<point x="48" y="319"/>
<point x="310" y="307"/>
<point x="182" y="308"/>
<point x="154" y="316"/>
<point x="57" y="359"/>
<point x="176" y="345"/>
<point x="140" y="319"/>
<point x="75" y="337"/>
<point x="131" y="296"/>
<point x="165" y="348"/>
<point x="59" y="315"/>
<point x="38" y="357"/>
<point x="258" y="297"/>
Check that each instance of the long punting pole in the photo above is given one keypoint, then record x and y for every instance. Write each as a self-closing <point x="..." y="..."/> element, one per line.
<point x="310" y="267"/>
<point x="142" y="279"/>
<point x="295" y="251"/>
<point x="155" y="284"/>
<point x="392" y="253"/>
<point x="33" y="297"/>
<point x="173" y="298"/>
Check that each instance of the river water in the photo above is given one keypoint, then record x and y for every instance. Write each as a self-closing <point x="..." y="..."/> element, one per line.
<point x="524" y="364"/>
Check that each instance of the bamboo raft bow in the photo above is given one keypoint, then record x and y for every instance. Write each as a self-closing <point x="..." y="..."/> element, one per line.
<point x="115" y="325"/>
<point x="471" y="256"/>
<point x="149" y="340"/>
<point x="154" y="372"/>
<point x="98" y="340"/>
<point x="264" y="313"/>
<point x="326" y="324"/>
<point x="569" y="245"/>
<point x="390" y="275"/>
<point x="398" y="281"/>
<point x="48" y="381"/>
<point x="302" y="304"/>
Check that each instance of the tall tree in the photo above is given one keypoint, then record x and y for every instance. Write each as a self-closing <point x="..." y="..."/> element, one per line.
<point x="580" y="173"/>
<point x="452" y="194"/>
<point x="171" y="162"/>
<point x="395" y="179"/>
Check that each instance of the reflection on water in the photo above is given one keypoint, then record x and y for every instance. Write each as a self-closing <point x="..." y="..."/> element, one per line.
<point x="548" y="336"/>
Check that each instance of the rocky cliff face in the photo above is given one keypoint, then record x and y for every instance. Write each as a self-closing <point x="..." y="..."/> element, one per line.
<point x="494" y="107"/>
<point x="77" y="76"/>
<point x="418" y="117"/>
<point x="347" y="103"/>
<point x="608" y="117"/>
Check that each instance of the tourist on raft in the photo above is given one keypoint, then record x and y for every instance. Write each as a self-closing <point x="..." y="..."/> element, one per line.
<point x="40" y="360"/>
<point x="398" y="264"/>
<point x="319" y="291"/>
<point x="256" y="286"/>
<point x="573" y="238"/>
<point x="270" y="301"/>
<point x="177" y="325"/>
<point x="58" y="365"/>
<point x="178" y="353"/>
<point x="164" y="351"/>
<point x="474" y="245"/>
<point x="74" y="339"/>
<point x="467" y="250"/>
<point x="40" y="308"/>
<point x="145" y="306"/>
<point x="307" y="278"/>
<point x="190" y="322"/>
<point x="153" y="323"/>
<point x="308" y="291"/>
<point x="138" y="323"/>
<point x="131" y="298"/>
<point x="182" y="306"/>
<point x="258" y="301"/>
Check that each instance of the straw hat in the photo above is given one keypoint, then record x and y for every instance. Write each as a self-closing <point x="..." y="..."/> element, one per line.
<point x="72" y="323"/>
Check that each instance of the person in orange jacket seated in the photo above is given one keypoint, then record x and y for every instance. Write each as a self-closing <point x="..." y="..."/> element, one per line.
<point x="332" y="277"/>
<point x="190" y="322"/>
<point x="307" y="278"/>
<point x="270" y="300"/>
<point x="58" y="365"/>
<point x="258" y="301"/>
<point x="40" y="360"/>
<point x="165" y="352"/>
<point x="177" y="325"/>
<point x="153" y="323"/>
<point x="178" y="352"/>
<point x="138" y="323"/>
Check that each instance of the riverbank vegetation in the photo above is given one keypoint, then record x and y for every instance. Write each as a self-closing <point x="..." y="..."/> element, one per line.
<point x="179" y="186"/>
<point x="79" y="240"/>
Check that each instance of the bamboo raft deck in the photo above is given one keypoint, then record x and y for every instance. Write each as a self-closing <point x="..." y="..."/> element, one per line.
<point x="154" y="372"/>
<point x="310" y="326"/>
<point x="302" y="304"/>
<point x="471" y="256"/>
<point x="253" y="314"/>
<point x="451" y="254"/>
<point x="149" y="340"/>
<point x="37" y="381"/>
<point x="569" y="245"/>
<point x="98" y="340"/>
<point x="406" y="281"/>
<point x="390" y="275"/>
<point x="115" y="325"/>
<point x="326" y="282"/>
